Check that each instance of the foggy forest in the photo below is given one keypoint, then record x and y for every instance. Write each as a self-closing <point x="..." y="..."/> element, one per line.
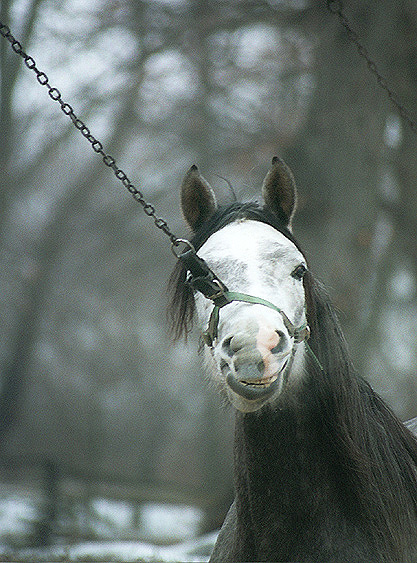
<point x="109" y="429"/>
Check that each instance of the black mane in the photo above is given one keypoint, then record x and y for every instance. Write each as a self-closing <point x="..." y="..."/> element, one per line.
<point x="373" y="456"/>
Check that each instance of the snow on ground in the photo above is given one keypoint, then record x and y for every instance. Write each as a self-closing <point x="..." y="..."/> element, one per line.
<point x="18" y="513"/>
<point x="168" y="523"/>
<point x="157" y="526"/>
<point x="197" y="550"/>
<point x="15" y="516"/>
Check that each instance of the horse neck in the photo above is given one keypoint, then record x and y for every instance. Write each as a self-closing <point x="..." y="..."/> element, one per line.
<point x="283" y="482"/>
<point x="277" y="452"/>
<point x="295" y="465"/>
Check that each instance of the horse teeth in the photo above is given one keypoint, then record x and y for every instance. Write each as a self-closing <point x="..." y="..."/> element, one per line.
<point x="261" y="382"/>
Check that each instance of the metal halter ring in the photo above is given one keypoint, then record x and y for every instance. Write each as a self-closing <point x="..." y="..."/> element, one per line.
<point x="175" y="244"/>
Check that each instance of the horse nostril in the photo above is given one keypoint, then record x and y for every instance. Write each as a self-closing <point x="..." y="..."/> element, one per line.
<point x="281" y="343"/>
<point x="233" y="344"/>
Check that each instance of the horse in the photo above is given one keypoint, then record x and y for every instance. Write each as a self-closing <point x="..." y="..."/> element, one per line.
<point x="323" y="469"/>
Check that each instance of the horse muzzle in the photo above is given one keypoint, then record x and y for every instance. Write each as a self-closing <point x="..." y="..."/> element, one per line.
<point x="254" y="367"/>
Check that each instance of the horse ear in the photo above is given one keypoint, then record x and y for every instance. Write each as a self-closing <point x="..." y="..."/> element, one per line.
<point x="198" y="201"/>
<point x="279" y="191"/>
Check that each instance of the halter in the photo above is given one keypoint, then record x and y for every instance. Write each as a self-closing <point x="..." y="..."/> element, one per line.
<point x="204" y="280"/>
<point x="298" y="333"/>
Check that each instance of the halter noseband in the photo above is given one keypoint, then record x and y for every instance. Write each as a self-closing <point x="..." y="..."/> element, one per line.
<point x="298" y="333"/>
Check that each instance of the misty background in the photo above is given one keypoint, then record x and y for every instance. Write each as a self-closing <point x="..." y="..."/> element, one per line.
<point x="97" y="404"/>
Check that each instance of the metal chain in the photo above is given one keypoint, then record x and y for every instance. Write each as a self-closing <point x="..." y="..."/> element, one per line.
<point x="336" y="7"/>
<point x="96" y="145"/>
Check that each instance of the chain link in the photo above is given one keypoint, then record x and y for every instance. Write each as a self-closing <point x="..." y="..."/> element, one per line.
<point x="96" y="145"/>
<point x="336" y="7"/>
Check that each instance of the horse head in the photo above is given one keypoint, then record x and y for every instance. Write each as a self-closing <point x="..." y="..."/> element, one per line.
<point x="256" y="351"/>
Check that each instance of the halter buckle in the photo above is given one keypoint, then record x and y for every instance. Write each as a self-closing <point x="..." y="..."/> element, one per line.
<point x="301" y="334"/>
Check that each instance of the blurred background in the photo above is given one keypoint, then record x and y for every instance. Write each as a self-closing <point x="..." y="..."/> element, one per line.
<point x="108" y="429"/>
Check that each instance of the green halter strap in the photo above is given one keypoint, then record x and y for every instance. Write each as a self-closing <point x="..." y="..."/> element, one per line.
<point x="300" y="334"/>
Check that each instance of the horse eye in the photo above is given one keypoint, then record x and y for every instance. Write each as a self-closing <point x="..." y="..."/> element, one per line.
<point x="299" y="272"/>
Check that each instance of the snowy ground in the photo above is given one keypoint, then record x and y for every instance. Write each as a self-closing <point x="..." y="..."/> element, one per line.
<point x="197" y="550"/>
<point x="154" y="527"/>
